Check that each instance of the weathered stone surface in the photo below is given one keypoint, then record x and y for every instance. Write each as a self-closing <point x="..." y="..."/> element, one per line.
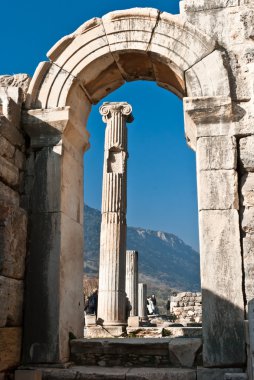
<point x="51" y="269"/>
<point x="8" y="195"/>
<point x="248" y="261"/>
<point x="28" y="374"/>
<point x="117" y="373"/>
<point x="9" y="173"/>
<point x="184" y="350"/>
<point x="11" y="300"/>
<point x="247" y="190"/>
<point x="133" y="321"/>
<point x="216" y="153"/>
<point x="213" y="83"/>
<point x="235" y="376"/>
<point x="160" y="373"/>
<point x="10" y="347"/>
<point x="248" y="220"/>
<point x="11" y="133"/>
<point x="112" y="297"/>
<point x="17" y="80"/>
<point x="46" y="185"/>
<point x="201" y="5"/>
<point x="221" y="279"/>
<point x="142" y="300"/>
<point x="217" y="190"/>
<point x="247" y="152"/>
<point x="7" y="149"/>
<point x="13" y="230"/>
<point x="19" y="159"/>
<point x="131" y="286"/>
<point x="187" y="307"/>
<point x="214" y="373"/>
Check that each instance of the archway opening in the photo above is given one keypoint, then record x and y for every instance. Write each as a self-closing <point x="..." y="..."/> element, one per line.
<point x="162" y="213"/>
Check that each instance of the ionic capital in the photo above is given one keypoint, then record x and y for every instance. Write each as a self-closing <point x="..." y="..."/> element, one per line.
<point x="109" y="108"/>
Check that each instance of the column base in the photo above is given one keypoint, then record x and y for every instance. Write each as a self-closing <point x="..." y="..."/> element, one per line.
<point x="105" y="331"/>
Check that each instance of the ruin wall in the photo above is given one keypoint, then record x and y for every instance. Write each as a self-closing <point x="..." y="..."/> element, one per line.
<point x="187" y="307"/>
<point x="13" y="218"/>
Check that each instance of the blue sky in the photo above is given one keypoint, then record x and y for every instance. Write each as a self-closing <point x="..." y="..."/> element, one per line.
<point x="161" y="168"/>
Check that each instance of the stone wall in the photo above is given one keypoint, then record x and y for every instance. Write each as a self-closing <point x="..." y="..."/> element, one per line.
<point x="246" y="184"/>
<point x="187" y="307"/>
<point x="13" y="219"/>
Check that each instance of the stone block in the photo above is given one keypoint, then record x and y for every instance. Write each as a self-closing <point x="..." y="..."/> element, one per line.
<point x="11" y="299"/>
<point x="221" y="278"/>
<point x="6" y="148"/>
<point x="8" y="172"/>
<point x="247" y="153"/>
<point x="10" y="347"/>
<point x="201" y="5"/>
<point x="247" y="190"/>
<point x="215" y="373"/>
<point x="248" y="220"/>
<point x="208" y="76"/>
<point x="12" y="134"/>
<point x="23" y="374"/>
<point x="8" y="195"/>
<point x="19" y="159"/>
<point x="183" y="351"/>
<point x="72" y="169"/>
<point x="46" y="185"/>
<point x="248" y="261"/>
<point x="217" y="190"/>
<point x="216" y="153"/>
<point x="235" y="376"/>
<point x="161" y="373"/>
<point x="133" y="321"/>
<point x="12" y="82"/>
<point x="13" y="232"/>
<point x="90" y="320"/>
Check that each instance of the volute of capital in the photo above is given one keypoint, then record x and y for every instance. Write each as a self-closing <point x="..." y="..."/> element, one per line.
<point x="109" y="108"/>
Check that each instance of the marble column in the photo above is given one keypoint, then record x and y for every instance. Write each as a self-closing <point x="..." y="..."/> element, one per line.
<point x="112" y="299"/>
<point x="131" y="285"/>
<point x="142" y="299"/>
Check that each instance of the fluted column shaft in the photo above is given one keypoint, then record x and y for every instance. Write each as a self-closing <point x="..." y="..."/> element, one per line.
<point x="112" y="300"/>
<point x="131" y="285"/>
<point x="142" y="300"/>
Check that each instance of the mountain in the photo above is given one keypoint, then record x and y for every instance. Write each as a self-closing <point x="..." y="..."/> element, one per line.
<point x="165" y="261"/>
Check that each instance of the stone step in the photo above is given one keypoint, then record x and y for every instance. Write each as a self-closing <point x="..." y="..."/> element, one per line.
<point x="235" y="376"/>
<point x="137" y="352"/>
<point x="169" y="331"/>
<point x="118" y="373"/>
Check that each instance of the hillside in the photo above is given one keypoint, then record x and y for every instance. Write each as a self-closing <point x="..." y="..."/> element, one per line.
<point x="165" y="261"/>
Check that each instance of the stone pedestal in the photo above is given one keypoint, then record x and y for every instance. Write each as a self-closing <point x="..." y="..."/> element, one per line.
<point x="112" y="298"/>
<point x="131" y="286"/>
<point x="142" y="299"/>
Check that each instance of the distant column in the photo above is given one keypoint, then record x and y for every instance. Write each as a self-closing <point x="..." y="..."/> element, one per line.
<point x="131" y="279"/>
<point x="142" y="300"/>
<point x="112" y="299"/>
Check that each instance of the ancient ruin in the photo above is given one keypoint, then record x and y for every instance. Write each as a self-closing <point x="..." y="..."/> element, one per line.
<point x="131" y="279"/>
<point x="111" y="303"/>
<point x="205" y="55"/>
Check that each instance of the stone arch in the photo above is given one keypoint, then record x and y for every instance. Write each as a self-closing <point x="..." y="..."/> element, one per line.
<point x="83" y="68"/>
<point x="129" y="45"/>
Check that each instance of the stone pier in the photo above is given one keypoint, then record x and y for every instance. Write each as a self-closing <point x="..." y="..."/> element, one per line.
<point x="131" y="286"/>
<point x="112" y="298"/>
<point x="142" y="297"/>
